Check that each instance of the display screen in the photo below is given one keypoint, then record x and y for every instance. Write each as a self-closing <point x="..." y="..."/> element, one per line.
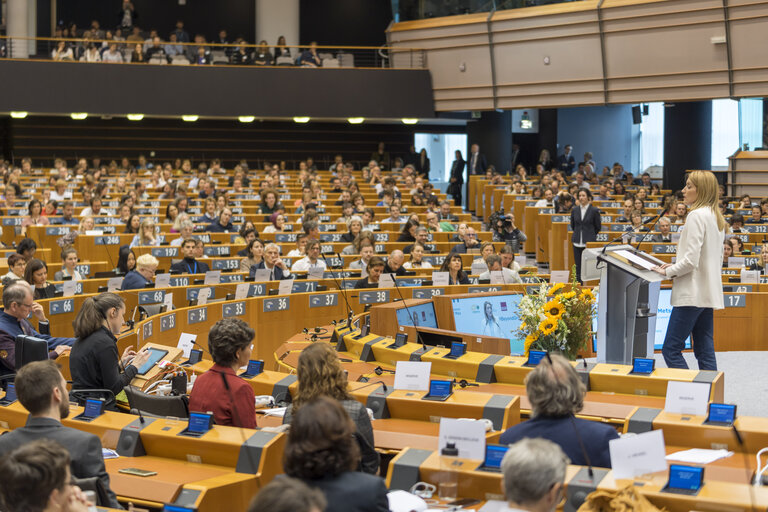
<point x="401" y="339"/>
<point x="642" y="365"/>
<point x="439" y="387"/>
<point x="534" y="357"/>
<point x="458" y="349"/>
<point x="493" y="315"/>
<point x="155" y="355"/>
<point x="10" y="392"/>
<point x="422" y="315"/>
<point x="255" y="367"/>
<point x="176" y="508"/>
<point x="494" y="453"/>
<point x="93" y="408"/>
<point x="688" y="478"/>
<point x="199" y="422"/>
<point x="195" y="356"/>
<point x="722" y="413"/>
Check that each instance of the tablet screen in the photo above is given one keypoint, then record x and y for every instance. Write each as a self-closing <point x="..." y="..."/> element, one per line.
<point x="199" y="422"/>
<point x="10" y="392"/>
<point x="642" y="365"/>
<point x="93" y="408"/>
<point x="457" y="349"/>
<point x="155" y="355"/>
<point x="535" y="356"/>
<point x="195" y="356"/>
<point x="255" y="367"/>
<point x="400" y="339"/>
<point x="688" y="478"/>
<point x="494" y="453"/>
<point x="439" y="387"/>
<point x="722" y="413"/>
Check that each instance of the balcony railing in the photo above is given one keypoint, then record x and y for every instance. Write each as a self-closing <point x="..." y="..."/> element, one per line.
<point x="405" y="10"/>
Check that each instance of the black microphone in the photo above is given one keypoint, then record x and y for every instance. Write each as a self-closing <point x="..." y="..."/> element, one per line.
<point x="645" y="237"/>
<point x="464" y="384"/>
<point x="380" y="371"/>
<point x="418" y="334"/>
<point x="750" y="482"/>
<point x="343" y="289"/>
<point x="383" y="385"/>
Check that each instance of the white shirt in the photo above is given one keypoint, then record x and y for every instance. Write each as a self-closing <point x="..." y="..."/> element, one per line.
<point x="543" y="203"/>
<point x="294" y="253"/>
<point x="509" y="276"/>
<point x="304" y="264"/>
<point x="696" y="275"/>
<point x="423" y="264"/>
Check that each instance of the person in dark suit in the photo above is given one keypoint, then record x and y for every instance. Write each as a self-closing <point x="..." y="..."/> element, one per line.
<point x="141" y="276"/>
<point x="533" y="475"/>
<point x="585" y="224"/>
<point x="322" y="452"/>
<point x="278" y="270"/>
<point x="374" y="270"/>
<point x="422" y="164"/>
<point x="42" y="390"/>
<point x="556" y="393"/>
<point x="566" y="162"/>
<point x="665" y="231"/>
<point x="457" y="178"/>
<point x="18" y="305"/>
<point x="477" y="163"/>
<point x="189" y="265"/>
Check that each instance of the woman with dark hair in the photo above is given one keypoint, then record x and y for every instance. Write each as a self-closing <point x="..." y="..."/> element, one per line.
<point x="93" y="361"/>
<point x="171" y="212"/>
<point x="453" y="265"/>
<point x="408" y="233"/>
<point x="220" y="389"/>
<point x="374" y="268"/>
<point x="320" y="374"/>
<point x="27" y="249"/>
<point x="133" y="224"/>
<point x="585" y="224"/>
<point x="36" y="274"/>
<point x="269" y="202"/>
<point x="457" y="178"/>
<point x="280" y="49"/>
<point x="34" y="216"/>
<point x="255" y="255"/>
<point x="16" y="265"/>
<point x="126" y="260"/>
<point x="321" y="452"/>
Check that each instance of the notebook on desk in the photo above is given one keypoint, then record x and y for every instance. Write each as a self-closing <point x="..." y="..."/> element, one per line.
<point x="439" y="390"/>
<point x="494" y="454"/>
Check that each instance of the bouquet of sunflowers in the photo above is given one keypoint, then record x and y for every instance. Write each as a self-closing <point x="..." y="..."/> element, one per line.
<point x="557" y="318"/>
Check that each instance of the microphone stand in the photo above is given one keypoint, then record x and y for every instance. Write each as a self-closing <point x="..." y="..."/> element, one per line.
<point x="343" y="289"/>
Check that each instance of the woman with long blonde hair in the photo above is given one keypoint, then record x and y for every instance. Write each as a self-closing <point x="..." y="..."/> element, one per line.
<point x="697" y="289"/>
<point x="320" y="374"/>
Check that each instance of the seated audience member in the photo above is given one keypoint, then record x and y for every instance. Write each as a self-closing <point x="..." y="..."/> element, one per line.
<point x="18" y="305"/>
<point x="126" y="260"/>
<point x="209" y="216"/>
<point x="37" y="478"/>
<point x="311" y="228"/>
<point x="42" y="391"/>
<point x="94" y="362"/>
<point x="312" y="260"/>
<point x="394" y="215"/>
<point x="762" y="260"/>
<point x="68" y="264"/>
<point x="357" y="243"/>
<point x="27" y="248"/>
<point x="533" y="475"/>
<point x="681" y="211"/>
<point x="94" y="209"/>
<point x="636" y="223"/>
<point x="223" y="223"/>
<point x="738" y="246"/>
<point x="278" y="270"/>
<point x="445" y="212"/>
<point x="132" y="224"/>
<point x="141" y="276"/>
<point x="556" y="393"/>
<point x="186" y="228"/>
<point x="35" y="216"/>
<point x="421" y="236"/>
<point x="36" y="274"/>
<point x="417" y="258"/>
<point x="453" y="265"/>
<point x="547" y="200"/>
<point x="67" y="214"/>
<point x="395" y="263"/>
<point x="245" y="234"/>
<point x="665" y="231"/>
<point x="278" y="223"/>
<point x="354" y="228"/>
<point x="629" y="206"/>
<point x="146" y="234"/>
<point x="220" y="390"/>
<point x="508" y="258"/>
<point x="468" y="241"/>
<point x="16" y="266"/>
<point x="189" y="264"/>
<point x="309" y="57"/>
<point x="737" y="223"/>
<point x="433" y="224"/>
<point x="320" y="374"/>
<point x="366" y="253"/>
<point x="494" y="265"/>
<point x="269" y="203"/>
<point x="321" y="451"/>
<point x="486" y="249"/>
<point x="408" y="233"/>
<point x="756" y="215"/>
<point x="301" y="244"/>
<point x="373" y="270"/>
<point x="286" y="494"/>
<point x="255" y="251"/>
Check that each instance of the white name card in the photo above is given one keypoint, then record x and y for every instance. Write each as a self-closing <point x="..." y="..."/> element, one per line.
<point x="241" y="292"/>
<point x="641" y="454"/>
<point x="467" y="435"/>
<point x="387" y="281"/>
<point x="687" y="398"/>
<point x="114" y="283"/>
<point x="478" y="268"/>
<point x="440" y="278"/>
<point x="162" y="280"/>
<point x="261" y="275"/>
<point x="559" y="276"/>
<point x="212" y="277"/>
<point x="285" y="287"/>
<point x="168" y="301"/>
<point x="750" y="276"/>
<point x="497" y="277"/>
<point x="412" y="375"/>
<point x="315" y="272"/>
<point x="202" y="296"/>
<point x="69" y="288"/>
<point x="186" y="343"/>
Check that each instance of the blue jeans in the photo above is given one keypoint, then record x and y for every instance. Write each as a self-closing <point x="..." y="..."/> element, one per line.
<point x="697" y="322"/>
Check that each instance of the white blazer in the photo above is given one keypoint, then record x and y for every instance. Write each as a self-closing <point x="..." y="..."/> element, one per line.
<point x="696" y="273"/>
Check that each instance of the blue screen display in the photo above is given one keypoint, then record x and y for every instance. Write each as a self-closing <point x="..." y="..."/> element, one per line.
<point x="155" y="355"/>
<point x="685" y="477"/>
<point x="722" y="413"/>
<point x="400" y="339"/>
<point x="93" y="408"/>
<point x="642" y="365"/>
<point x="10" y="392"/>
<point x="535" y="356"/>
<point x="494" y="453"/>
<point x="176" y="508"/>
<point x="493" y="315"/>
<point x="199" y="422"/>
<point x="255" y="367"/>
<point x="422" y="315"/>
<point x="439" y="387"/>
<point x="458" y="349"/>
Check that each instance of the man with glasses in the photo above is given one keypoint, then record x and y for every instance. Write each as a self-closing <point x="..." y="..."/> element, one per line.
<point x="469" y="241"/>
<point x="18" y="306"/>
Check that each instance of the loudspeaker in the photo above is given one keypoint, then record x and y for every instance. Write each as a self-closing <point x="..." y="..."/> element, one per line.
<point x="637" y="115"/>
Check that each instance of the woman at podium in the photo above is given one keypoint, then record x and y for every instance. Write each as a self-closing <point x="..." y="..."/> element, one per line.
<point x="697" y="289"/>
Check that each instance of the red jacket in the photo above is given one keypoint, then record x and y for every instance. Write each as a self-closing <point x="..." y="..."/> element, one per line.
<point x="234" y="407"/>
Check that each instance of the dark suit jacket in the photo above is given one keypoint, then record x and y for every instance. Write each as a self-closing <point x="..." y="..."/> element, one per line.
<point x="353" y="492"/>
<point x="594" y="435"/>
<point x="278" y="272"/>
<point x="481" y="165"/>
<point x="186" y="267"/>
<point x="588" y="227"/>
<point x="134" y="281"/>
<point x="83" y="448"/>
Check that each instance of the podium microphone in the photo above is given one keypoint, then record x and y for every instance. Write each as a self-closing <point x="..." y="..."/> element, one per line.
<point x="380" y="382"/>
<point x="343" y="289"/>
<point x="645" y="237"/>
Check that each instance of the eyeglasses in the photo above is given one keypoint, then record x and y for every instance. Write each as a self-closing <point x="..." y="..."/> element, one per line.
<point x="26" y="305"/>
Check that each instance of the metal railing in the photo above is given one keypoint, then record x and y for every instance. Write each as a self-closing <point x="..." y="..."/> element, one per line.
<point x="233" y="54"/>
<point x="406" y="10"/>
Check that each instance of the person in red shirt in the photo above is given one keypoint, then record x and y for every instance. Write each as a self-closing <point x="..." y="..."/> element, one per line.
<point x="219" y="390"/>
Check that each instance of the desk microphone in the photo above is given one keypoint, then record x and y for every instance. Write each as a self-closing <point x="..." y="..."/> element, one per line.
<point x="740" y="440"/>
<point x="343" y="289"/>
<point x="645" y="237"/>
<point x="418" y="334"/>
<point x="383" y="385"/>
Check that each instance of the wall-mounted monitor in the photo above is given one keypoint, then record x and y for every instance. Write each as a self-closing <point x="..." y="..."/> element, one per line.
<point x="490" y="315"/>
<point x="421" y="315"/>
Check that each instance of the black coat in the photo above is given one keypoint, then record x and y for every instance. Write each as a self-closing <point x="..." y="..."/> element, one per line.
<point x="586" y="228"/>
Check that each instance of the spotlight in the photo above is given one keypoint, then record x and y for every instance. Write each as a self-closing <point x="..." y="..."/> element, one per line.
<point x="409" y="120"/>
<point x="301" y="119"/>
<point x="190" y="119"/>
<point x="78" y="116"/>
<point x="135" y="117"/>
<point x="356" y="120"/>
<point x="19" y="115"/>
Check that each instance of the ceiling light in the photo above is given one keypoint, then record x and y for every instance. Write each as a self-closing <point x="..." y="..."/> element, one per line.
<point x="190" y="119"/>
<point x="246" y="119"/>
<point x="19" y="115"/>
<point x="78" y="116"/>
<point x="409" y="120"/>
<point x="356" y="120"/>
<point x="135" y="117"/>
<point x="301" y="119"/>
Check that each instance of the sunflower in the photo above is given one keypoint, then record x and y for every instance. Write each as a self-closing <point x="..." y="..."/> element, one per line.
<point x="548" y="326"/>
<point x="555" y="288"/>
<point x="530" y="340"/>
<point x="523" y="326"/>
<point x="567" y="295"/>
<point x="586" y="293"/>
<point x="554" y="309"/>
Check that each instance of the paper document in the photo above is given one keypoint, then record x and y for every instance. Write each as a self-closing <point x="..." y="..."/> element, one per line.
<point x="633" y="258"/>
<point x="699" y="455"/>
<point x="277" y="411"/>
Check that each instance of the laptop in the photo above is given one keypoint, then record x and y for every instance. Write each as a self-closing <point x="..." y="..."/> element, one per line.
<point x="401" y="339"/>
<point x="93" y="409"/>
<point x="199" y="424"/>
<point x="686" y="480"/>
<point x="10" y="394"/>
<point x="255" y="367"/>
<point x="721" y="414"/>
<point x="458" y="349"/>
<point x="439" y="390"/>
<point x="494" y="453"/>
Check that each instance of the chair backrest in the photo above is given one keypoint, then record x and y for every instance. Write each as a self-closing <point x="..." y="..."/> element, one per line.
<point x="93" y="483"/>
<point x="331" y="63"/>
<point x="158" y="60"/>
<point x="155" y="405"/>
<point x="284" y="61"/>
<point x="179" y="60"/>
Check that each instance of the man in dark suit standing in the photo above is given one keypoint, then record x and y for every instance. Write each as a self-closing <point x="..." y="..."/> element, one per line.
<point x="42" y="390"/>
<point x="477" y="162"/>
<point x="566" y="162"/>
